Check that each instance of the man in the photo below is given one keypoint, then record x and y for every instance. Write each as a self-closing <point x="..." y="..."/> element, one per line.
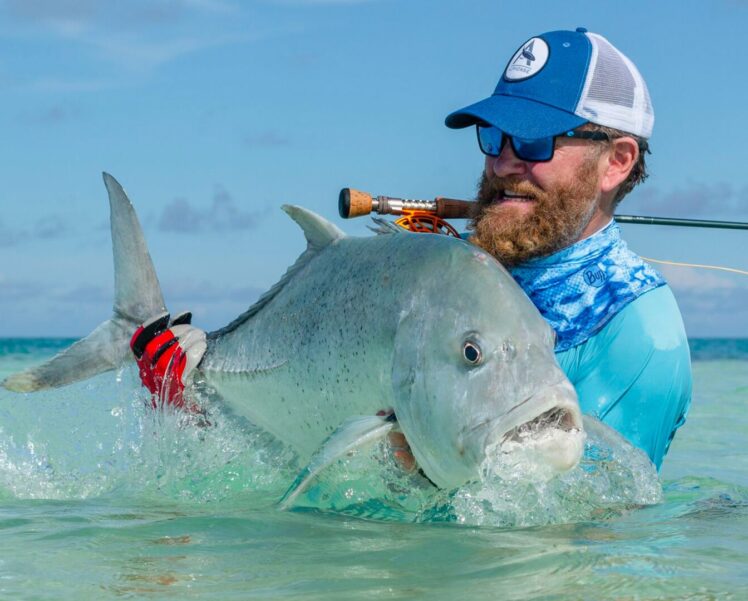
<point x="564" y="136"/>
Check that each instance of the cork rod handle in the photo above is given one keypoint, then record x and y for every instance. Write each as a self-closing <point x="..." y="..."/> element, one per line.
<point x="354" y="203"/>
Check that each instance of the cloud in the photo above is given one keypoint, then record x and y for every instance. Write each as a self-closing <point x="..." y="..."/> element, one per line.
<point x="72" y="18"/>
<point x="186" y="292"/>
<point x="135" y="53"/>
<point x="46" y="228"/>
<point x="222" y="215"/>
<point x="85" y="293"/>
<point x="713" y="303"/>
<point x="44" y="309"/>
<point x="698" y="279"/>
<point x="714" y="313"/>
<point x="304" y="60"/>
<point x="181" y="292"/>
<point x="214" y="6"/>
<point x="67" y="17"/>
<point x="53" y="115"/>
<point x="51" y="227"/>
<point x="319" y="2"/>
<point x="66" y="85"/>
<point x="213" y="304"/>
<point x="24" y="291"/>
<point x="18" y="290"/>
<point x="698" y="200"/>
<point x="139" y="34"/>
<point x="266" y="139"/>
<point x="9" y="236"/>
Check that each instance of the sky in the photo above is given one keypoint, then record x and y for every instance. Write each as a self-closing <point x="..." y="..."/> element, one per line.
<point x="214" y="113"/>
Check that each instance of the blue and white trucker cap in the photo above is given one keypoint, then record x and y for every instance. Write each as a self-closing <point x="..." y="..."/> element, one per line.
<point x="560" y="80"/>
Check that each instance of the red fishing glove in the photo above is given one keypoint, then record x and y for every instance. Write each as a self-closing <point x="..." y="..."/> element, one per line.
<point x="166" y="353"/>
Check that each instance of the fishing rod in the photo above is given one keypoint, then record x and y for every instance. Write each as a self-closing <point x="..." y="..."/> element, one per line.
<point x="430" y="215"/>
<point x="643" y="220"/>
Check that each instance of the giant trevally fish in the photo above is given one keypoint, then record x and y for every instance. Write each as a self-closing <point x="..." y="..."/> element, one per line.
<point x="427" y="325"/>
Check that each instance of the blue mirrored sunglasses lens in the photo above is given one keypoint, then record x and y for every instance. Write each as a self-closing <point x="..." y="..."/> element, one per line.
<point x="490" y="140"/>
<point x="540" y="149"/>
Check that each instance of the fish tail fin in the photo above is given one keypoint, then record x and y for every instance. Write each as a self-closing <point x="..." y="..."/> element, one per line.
<point x="98" y="352"/>
<point x="137" y="296"/>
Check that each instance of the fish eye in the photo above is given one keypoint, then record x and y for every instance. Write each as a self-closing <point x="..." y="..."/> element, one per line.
<point x="472" y="353"/>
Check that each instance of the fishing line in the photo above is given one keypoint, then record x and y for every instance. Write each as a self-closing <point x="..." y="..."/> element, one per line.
<point x="715" y="267"/>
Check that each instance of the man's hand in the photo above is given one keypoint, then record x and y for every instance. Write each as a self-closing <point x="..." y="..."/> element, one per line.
<point x="398" y="444"/>
<point x="166" y="353"/>
<point x="401" y="451"/>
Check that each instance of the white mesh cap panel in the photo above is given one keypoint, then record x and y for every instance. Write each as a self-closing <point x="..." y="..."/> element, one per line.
<point x="614" y="93"/>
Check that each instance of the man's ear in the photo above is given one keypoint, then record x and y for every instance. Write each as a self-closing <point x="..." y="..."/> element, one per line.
<point x="621" y="158"/>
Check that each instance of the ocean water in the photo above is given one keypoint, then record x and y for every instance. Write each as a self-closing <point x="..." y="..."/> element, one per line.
<point x="101" y="497"/>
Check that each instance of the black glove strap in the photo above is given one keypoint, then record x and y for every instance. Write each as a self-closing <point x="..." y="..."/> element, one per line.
<point x="150" y="331"/>
<point x="162" y="349"/>
<point x="184" y="318"/>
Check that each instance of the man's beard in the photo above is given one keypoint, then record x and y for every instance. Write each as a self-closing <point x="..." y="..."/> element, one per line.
<point x="555" y="221"/>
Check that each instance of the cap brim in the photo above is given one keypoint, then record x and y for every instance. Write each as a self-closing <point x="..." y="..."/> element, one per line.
<point x="516" y="116"/>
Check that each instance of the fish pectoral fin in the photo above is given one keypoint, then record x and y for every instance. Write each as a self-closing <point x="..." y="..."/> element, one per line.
<point x="352" y="434"/>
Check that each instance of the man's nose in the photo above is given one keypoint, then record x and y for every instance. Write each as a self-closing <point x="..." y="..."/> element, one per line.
<point x="505" y="164"/>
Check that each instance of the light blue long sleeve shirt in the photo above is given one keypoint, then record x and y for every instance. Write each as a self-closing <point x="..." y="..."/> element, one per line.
<point x="635" y="373"/>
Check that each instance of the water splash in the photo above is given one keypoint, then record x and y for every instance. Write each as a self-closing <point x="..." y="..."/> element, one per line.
<point x="101" y="438"/>
<point x="514" y="490"/>
<point x="612" y="477"/>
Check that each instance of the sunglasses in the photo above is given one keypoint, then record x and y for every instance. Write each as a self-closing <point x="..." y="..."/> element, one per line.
<point x="492" y="141"/>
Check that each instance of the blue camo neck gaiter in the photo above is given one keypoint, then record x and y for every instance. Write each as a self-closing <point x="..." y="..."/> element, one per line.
<point x="580" y="288"/>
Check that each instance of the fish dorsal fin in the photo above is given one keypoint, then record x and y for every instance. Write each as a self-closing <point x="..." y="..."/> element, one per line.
<point x="319" y="233"/>
<point x="383" y="227"/>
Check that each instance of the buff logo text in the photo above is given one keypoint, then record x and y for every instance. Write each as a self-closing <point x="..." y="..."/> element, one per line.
<point x="594" y="276"/>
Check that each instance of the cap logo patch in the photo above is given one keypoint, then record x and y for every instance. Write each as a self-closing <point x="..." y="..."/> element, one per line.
<point x="528" y="60"/>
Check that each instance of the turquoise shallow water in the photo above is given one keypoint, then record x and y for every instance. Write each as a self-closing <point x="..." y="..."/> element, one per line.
<point x="101" y="498"/>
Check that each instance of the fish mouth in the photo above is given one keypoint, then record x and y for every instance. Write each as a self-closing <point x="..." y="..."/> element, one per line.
<point x="545" y="428"/>
<point x="555" y="437"/>
<point x="559" y="418"/>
